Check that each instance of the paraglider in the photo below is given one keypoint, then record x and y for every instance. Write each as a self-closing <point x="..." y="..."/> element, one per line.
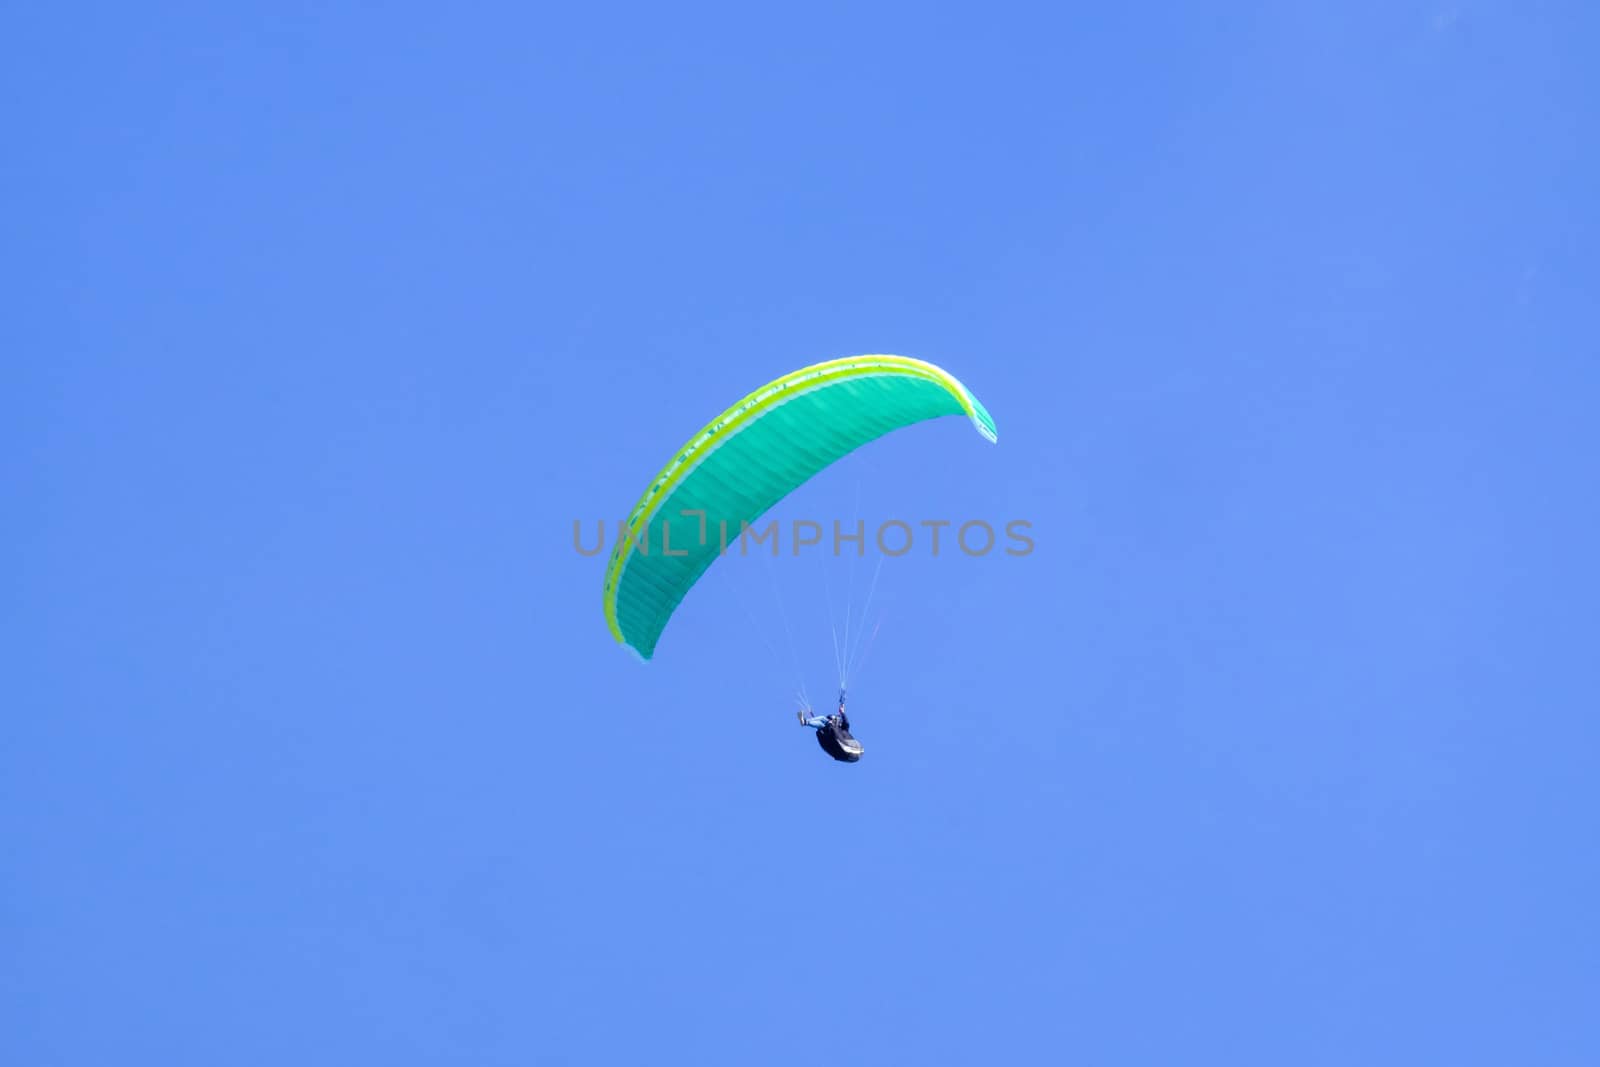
<point x="744" y="462"/>
<point x="833" y="734"/>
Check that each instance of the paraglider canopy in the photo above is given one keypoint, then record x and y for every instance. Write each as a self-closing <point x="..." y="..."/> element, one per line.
<point x="747" y="459"/>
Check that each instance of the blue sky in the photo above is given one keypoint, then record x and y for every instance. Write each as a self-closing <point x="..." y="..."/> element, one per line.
<point x="325" y="323"/>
